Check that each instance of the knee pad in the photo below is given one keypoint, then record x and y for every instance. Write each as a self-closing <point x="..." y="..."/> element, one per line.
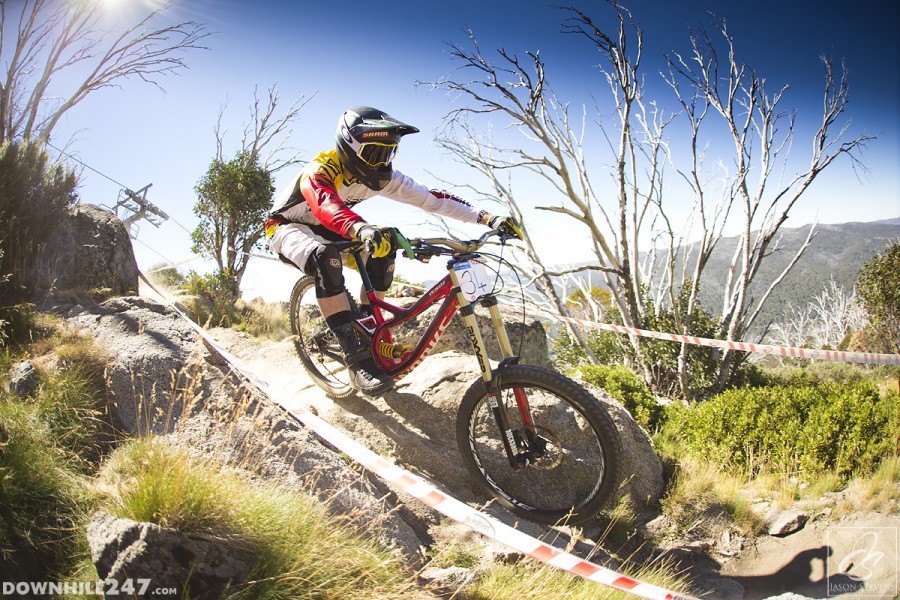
<point x="381" y="272"/>
<point x="325" y="265"/>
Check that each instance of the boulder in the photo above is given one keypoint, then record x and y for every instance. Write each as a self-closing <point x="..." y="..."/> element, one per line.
<point x="642" y="470"/>
<point x="23" y="379"/>
<point x="89" y="254"/>
<point x="415" y="424"/>
<point x="164" y="380"/>
<point x="194" y="565"/>
<point x="527" y="335"/>
<point x="785" y="522"/>
<point x="156" y="357"/>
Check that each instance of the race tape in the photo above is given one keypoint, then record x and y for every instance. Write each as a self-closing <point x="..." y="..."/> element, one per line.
<point x="870" y="358"/>
<point x="438" y="500"/>
<point x="175" y="265"/>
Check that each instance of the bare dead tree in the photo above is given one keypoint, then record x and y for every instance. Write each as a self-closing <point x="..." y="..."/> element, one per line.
<point x="264" y="132"/>
<point x="552" y="146"/>
<point x="622" y="213"/>
<point x="825" y="321"/>
<point x="762" y="134"/>
<point x="530" y="265"/>
<point x="51" y="38"/>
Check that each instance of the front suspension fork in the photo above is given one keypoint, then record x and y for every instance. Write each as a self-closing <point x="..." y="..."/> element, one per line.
<point x="520" y="452"/>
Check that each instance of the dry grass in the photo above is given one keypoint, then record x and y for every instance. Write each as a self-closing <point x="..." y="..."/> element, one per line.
<point x="300" y="550"/>
<point x="878" y="493"/>
<point x="703" y="491"/>
<point x="525" y="581"/>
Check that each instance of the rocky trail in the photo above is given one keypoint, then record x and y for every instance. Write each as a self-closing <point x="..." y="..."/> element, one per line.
<point x="162" y="380"/>
<point x="855" y="555"/>
<point x="819" y="556"/>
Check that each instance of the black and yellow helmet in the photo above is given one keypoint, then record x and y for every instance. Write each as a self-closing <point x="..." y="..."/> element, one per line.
<point x="366" y="143"/>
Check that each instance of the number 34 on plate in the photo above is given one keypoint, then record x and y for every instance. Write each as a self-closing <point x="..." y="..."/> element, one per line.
<point x="473" y="280"/>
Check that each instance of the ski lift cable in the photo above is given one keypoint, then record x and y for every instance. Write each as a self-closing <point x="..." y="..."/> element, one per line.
<point x="105" y="176"/>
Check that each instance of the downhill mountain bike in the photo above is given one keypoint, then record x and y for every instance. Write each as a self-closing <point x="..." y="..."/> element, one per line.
<point x="534" y="439"/>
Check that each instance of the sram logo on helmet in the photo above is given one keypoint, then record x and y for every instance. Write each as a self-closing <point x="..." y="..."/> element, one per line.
<point x="375" y="134"/>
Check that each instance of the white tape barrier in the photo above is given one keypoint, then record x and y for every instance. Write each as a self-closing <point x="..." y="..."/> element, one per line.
<point x="870" y="358"/>
<point x="447" y="505"/>
<point x="175" y="265"/>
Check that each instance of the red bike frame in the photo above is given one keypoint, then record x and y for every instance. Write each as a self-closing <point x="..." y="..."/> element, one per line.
<point x="447" y="289"/>
<point x="408" y="360"/>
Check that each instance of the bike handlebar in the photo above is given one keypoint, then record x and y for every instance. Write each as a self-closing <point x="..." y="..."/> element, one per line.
<point x="427" y="247"/>
<point x="457" y="245"/>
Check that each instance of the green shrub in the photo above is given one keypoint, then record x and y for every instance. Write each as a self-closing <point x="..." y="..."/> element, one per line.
<point x="42" y="500"/>
<point x="823" y="371"/>
<point x="34" y="197"/>
<point x="626" y="387"/>
<point x="879" y="290"/>
<point x="166" y="276"/>
<point x="660" y="357"/>
<point x="804" y="428"/>
<point x="211" y="302"/>
<point x="610" y="348"/>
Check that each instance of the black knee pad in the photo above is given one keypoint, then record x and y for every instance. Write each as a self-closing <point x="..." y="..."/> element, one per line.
<point x="381" y="272"/>
<point x="325" y="265"/>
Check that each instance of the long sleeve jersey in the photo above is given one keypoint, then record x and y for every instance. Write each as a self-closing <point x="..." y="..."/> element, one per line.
<point x="322" y="197"/>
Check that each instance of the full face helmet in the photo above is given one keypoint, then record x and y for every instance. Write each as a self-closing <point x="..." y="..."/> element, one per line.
<point x="366" y="143"/>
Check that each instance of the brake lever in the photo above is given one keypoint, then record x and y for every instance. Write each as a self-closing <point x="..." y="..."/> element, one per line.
<point x="504" y="237"/>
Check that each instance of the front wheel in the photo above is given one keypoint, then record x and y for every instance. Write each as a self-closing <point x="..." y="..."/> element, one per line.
<point x="565" y="445"/>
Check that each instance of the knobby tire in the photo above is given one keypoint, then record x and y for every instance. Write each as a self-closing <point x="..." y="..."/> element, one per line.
<point x="580" y="470"/>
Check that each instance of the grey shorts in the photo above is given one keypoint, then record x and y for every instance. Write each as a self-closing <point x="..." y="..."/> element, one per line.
<point x="296" y="242"/>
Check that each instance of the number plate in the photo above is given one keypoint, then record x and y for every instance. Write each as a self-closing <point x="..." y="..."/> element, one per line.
<point x="474" y="281"/>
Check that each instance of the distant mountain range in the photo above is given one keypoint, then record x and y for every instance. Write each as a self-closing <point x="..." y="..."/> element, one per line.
<point x="836" y="251"/>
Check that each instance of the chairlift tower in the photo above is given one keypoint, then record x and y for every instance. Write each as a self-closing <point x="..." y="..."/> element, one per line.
<point x="135" y="207"/>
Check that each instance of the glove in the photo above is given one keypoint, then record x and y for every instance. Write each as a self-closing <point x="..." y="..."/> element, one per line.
<point x="379" y="240"/>
<point x="507" y="225"/>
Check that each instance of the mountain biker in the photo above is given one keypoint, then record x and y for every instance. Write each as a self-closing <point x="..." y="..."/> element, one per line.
<point x="318" y="208"/>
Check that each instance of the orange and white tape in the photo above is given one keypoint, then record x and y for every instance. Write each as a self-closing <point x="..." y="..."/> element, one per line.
<point x="476" y="520"/>
<point x="442" y="502"/>
<point x="870" y="358"/>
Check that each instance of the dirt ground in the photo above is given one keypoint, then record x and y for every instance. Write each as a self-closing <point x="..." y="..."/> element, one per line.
<point x="854" y="556"/>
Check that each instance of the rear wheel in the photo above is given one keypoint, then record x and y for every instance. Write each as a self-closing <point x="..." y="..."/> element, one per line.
<point x="315" y="343"/>
<point x="569" y="458"/>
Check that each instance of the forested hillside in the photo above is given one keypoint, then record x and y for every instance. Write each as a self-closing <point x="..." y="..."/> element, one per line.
<point x="836" y="251"/>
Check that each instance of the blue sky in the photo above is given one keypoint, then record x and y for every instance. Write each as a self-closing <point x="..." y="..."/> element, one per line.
<point x="356" y="52"/>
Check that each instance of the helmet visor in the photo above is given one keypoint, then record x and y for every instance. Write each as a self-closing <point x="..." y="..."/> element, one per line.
<point x="377" y="154"/>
